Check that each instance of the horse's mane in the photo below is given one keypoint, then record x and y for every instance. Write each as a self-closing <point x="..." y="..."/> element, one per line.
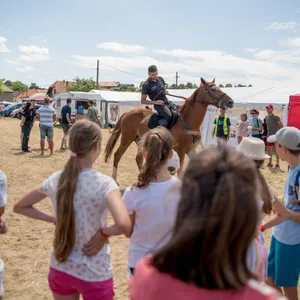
<point x="189" y="102"/>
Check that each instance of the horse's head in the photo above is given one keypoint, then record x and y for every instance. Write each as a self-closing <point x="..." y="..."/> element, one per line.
<point x="215" y="96"/>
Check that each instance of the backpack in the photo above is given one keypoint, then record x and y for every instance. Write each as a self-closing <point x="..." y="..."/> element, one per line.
<point x="296" y="184"/>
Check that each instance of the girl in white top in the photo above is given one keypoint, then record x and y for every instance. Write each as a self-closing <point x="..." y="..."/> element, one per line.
<point x="81" y="197"/>
<point x="152" y="201"/>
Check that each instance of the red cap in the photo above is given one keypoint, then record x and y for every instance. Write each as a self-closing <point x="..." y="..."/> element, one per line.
<point x="270" y="106"/>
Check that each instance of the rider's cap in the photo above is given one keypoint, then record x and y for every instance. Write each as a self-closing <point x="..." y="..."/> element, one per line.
<point x="152" y="69"/>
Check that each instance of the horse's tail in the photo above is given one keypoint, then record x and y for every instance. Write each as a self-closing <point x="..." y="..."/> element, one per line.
<point x="113" y="139"/>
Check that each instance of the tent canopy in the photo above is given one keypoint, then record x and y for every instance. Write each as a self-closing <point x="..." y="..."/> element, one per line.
<point x="250" y="96"/>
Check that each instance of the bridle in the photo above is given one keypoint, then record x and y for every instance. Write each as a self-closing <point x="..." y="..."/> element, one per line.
<point x="217" y="100"/>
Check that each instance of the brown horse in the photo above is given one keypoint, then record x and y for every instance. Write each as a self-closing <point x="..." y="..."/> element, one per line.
<point x="134" y="123"/>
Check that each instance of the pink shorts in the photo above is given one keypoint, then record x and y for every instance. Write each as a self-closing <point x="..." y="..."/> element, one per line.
<point x="64" y="284"/>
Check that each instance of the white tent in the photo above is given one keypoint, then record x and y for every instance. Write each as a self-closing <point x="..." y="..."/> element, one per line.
<point x="117" y="103"/>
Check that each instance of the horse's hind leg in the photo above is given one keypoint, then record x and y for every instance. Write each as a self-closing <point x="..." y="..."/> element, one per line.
<point x="139" y="159"/>
<point x="126" y="141"/>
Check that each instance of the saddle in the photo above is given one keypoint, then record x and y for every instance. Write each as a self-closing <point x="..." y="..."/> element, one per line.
<point x="158" y="120"/>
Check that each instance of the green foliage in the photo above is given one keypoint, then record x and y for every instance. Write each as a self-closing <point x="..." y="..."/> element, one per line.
<point x="18" y="86"/>
<point x="1" y="86"/>
<point x="33" y="85"/>
<point x="221" y="86"/>
<point x="228" y="85"/>
<point x="83" y="85"/>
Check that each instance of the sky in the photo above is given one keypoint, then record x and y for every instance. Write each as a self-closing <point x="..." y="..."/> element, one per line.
<point x="238" y="42"/>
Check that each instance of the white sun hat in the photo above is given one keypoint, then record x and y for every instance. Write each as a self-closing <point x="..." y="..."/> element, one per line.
<point x="174" y="163"/>
<point x="253" y="148"/>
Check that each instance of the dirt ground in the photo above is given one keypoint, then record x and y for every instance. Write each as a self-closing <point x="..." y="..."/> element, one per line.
<point x="25" y="249"/>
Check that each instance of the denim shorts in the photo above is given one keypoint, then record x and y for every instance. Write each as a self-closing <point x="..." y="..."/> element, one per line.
<point x="46" y="132"/>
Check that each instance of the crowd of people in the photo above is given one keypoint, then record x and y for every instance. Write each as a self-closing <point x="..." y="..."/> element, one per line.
<point x="260" y="129"/>
<point x="46" y="115"/>
<point x="198" y="231"/>
<point x="197" y="237"/>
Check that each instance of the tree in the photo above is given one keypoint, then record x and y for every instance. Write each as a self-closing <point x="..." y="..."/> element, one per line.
<point x="8" y="83"/>
<point x="33" y="85"/>
<point x="228" y="85"/>
<point x="195" y="86"/>
<point x="181" y="86"/>
<point x="221" y="86"/>
<point x="83" y="85"/>
<point x="1" y="87"/>
<point x="173" y="86"/>
<point x="250" y="85"/>
<point x="189" y="85"/>
<point x="18" y="86"/>
<point x="126" y="88"/>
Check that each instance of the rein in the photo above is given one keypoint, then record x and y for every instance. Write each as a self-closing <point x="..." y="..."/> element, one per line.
<point x="217" y="101"/>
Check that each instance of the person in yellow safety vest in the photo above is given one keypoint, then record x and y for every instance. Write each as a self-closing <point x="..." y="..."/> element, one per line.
<point x="222" y="128"/>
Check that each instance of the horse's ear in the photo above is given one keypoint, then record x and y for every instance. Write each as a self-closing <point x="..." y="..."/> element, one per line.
<point x="203" y="81"/>
<point x="214" y="80"/>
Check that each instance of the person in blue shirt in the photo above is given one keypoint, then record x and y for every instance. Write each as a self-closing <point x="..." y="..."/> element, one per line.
<point x="283" y="261"/>
<point x="80" y="110"/>
<point x="65" y="123"/>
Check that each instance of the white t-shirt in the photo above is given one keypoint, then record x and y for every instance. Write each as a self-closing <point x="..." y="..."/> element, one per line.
<point x="90" y="215"/>
<point x="3" y="189"/>
<point x="155" y="210"/>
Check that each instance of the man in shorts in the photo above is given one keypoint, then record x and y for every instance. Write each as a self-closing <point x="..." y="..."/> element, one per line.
<point x="273" y="125"/>
<point x="222" y="128"/>
<point x="65" y="123"/>
<point x="47" y="116"/>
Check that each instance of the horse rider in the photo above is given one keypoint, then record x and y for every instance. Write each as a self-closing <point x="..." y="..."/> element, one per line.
<point x="155" y="88"/>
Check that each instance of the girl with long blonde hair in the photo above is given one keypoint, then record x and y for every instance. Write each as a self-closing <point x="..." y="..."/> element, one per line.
<point x="81" y="197"/>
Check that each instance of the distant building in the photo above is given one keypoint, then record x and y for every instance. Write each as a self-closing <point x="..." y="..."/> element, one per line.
<point x="58" y="87"/>
<point x="7" y="95"/>
<point x="109" y="85"/>
<point x="29" y="93"/>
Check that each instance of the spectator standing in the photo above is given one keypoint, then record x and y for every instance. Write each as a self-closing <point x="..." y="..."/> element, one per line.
<point x="273" y="125"/>
<point x="3" y="201"/>
<point x="283" y="266"/>
<point x="258" y="254"/>
<point x="222" y="128"/>
<point x="93" y="113"/>
<point x="47" y="117"/>
<point x="257" y="124"/>
<point x="152" y="211"/>
<point x="2" y="110"/>
<point x="206" y="257"/>
<point x="26" y="125"/>
<point x="81" y="197"/>
<point x="242" y="127"/>
<point x="65" y="123"/>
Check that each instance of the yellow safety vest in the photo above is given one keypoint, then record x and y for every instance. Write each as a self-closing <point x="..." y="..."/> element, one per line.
<point x="225" y="126"/>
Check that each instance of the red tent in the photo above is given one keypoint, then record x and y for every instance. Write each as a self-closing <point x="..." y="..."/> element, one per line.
<point x="294" y="111"/>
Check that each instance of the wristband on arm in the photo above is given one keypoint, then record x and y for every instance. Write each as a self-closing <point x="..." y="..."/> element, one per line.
<point x="103" y="234"/>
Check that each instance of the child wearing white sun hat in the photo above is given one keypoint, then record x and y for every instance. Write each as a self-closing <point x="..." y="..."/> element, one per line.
<point x="173" y="163"/>
<point x="254" y="148"/>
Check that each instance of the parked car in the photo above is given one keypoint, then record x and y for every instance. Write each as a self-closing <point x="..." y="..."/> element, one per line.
<point x="17" y="113"/>
<point x="8" y="109"/>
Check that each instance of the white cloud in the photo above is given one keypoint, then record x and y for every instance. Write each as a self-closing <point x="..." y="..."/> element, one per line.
<point x="291" y="25"/>
<point x="12" y="62"/>
<point x="33" y="53"/>
<point x="25" y="69"/>
<point x="284" y="56"/>
<point x="298" y="10"/>
<point x="291" y="42"/>
<point x="3" y="47"/>
<point x="251" y="50"/>
<point x="47" y="72"/>
<point x="121" y="48"/>
<point x="30" y="76"/>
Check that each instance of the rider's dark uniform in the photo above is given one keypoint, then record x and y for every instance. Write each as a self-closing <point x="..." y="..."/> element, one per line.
<point x="155" y="90"/>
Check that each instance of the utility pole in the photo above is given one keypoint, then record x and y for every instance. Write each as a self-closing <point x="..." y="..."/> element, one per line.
<point x="97" y="76"/>
<point x="177" y="79"/>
